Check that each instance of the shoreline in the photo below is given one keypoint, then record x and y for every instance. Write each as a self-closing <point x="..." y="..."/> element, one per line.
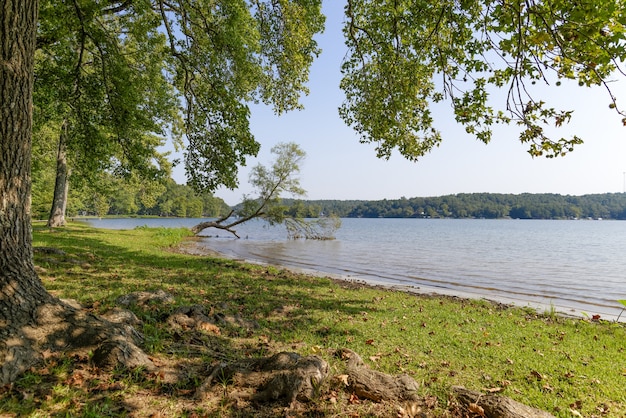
<point x="198" y="247"/>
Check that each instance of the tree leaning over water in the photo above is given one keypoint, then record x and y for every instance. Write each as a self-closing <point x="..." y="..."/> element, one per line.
<point x="270" y="183"/>
<point x="224" y="54"/>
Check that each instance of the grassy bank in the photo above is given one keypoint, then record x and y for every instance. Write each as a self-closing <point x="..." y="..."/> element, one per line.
<point x="568" y="367"/>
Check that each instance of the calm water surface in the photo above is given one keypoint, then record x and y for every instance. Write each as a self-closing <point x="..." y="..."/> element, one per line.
<point x="573" y="266"/>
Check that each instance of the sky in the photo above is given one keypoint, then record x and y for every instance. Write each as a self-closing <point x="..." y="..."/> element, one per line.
<point x="338" y="166"/>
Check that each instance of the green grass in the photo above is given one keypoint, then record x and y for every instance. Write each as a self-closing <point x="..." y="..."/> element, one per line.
<point x="550" y="362"/>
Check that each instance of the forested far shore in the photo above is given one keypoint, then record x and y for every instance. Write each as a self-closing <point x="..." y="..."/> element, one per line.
<point x="482" y="205"/>
<point x="175" y="200"/>
<point x="118" y="198"/>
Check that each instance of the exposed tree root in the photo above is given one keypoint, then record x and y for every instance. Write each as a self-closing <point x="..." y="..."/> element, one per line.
<point x="60" y="327"/>
<point x="285" y="377"/>
<point x="495" y="406"/>
<point x="376" y="386"/>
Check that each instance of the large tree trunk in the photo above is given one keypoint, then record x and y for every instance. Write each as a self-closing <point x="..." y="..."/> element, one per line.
<point x="61" y="185"/>
<point x="31" y="320"/>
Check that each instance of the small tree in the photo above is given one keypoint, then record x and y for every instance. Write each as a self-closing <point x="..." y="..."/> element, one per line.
<point x="270" y="184"/>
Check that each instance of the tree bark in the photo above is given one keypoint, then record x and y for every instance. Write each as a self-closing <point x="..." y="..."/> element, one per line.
<point x="20" y="288"/>
<point x="495" y="406"/>
<point x="374" y="385"/>
<point x="32" y="320"/>
<point x="61" y="184"/>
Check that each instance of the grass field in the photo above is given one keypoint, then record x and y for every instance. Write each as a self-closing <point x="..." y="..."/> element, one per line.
<point x="566" y="366"/>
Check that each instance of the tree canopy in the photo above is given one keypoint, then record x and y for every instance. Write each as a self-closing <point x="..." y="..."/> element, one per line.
<point x="406" y="55"/>
<point x="124" y="75"/>
<point x="121" y="76"/>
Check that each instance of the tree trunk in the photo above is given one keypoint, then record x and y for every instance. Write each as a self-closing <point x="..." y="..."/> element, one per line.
<point x="32" y="320"/>
<point x="61" y="185"/>
<point x="20" y="288"/>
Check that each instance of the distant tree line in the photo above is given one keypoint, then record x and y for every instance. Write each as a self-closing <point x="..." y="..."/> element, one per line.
<point x="129" y="197"/>
<point x="476" y="205"/>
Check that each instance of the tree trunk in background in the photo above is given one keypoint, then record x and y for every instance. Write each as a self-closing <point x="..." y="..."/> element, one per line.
<point x="62" y="183"/>
<point x="32" y="320"/>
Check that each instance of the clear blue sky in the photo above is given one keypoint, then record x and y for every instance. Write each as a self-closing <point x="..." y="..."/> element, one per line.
<point x="338" y="166"/>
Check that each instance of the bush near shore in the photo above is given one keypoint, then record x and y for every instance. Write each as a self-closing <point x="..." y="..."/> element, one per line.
<point x="565" y="366"/>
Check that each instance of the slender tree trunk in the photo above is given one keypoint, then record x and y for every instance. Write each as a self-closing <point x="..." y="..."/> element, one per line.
<point x="62" y="183"/>
<point x="31" y="320"/>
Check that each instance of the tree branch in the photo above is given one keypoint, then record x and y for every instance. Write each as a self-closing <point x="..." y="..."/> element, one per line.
<point x="119" y="8"/>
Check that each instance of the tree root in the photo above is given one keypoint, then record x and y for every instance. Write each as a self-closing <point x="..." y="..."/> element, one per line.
<point x="59" y="327"/>
<point x="374" y="385"/>
<point x="282" y="377"/>
<point x="494" y="406"/>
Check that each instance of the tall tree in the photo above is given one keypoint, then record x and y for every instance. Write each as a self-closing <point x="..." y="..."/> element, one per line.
<point x="99" y="77"/>
<point x="20" y="287"/>
<point x="32" y="319"/>
<point x="113" y="72"/>
<point x="220" y="56"/>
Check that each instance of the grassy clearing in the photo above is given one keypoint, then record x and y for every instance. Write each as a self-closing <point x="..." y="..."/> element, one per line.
<point x="568" y="367"/>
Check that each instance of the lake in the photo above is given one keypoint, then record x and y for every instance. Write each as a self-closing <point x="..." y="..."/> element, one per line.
<point x="575" y="267"/>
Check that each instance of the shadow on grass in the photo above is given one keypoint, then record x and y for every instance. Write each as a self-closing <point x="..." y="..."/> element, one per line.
<point x="96" y="267"/>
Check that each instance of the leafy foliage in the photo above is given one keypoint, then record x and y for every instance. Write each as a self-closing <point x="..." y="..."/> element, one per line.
<point x="123" y="76"/>
<point x="99" y="74"/>
<point x="271" y="183"/>
<point x="406" y="55"/>
<point x="225" y="54"/>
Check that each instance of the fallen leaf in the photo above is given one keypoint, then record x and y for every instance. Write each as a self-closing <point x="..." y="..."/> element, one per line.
<point x="76" y="379"/>
<point x="354" y="399"/>
<point x="369" y="342"/>
<point x="343" y="378"/>
<point x="332" y="397"/>
<point x="493" y="390"/>
<point x="576" y="405"/>
<point x="476" y="409"/>
<point x="209" y="327"/>
<point x="431" y="401"/>
<point x="411" y="410"/>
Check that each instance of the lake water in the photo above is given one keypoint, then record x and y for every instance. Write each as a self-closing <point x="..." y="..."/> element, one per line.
<point x="576" y="267"/>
